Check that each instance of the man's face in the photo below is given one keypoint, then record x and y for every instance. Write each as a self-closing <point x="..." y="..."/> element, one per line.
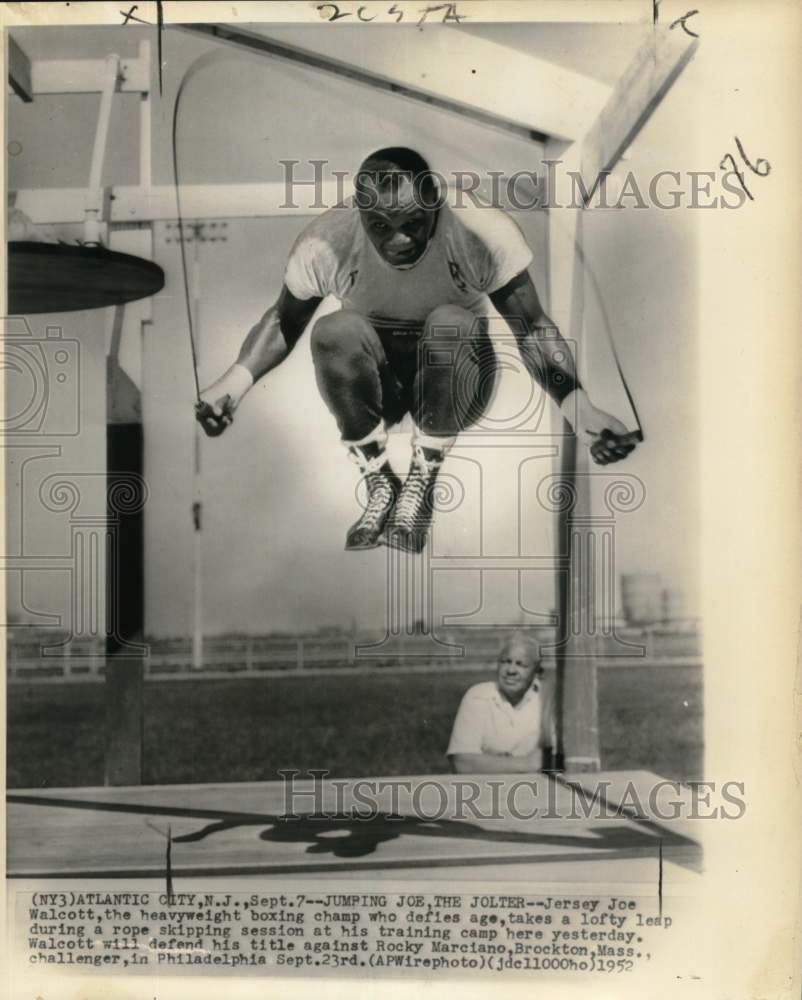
<point x="516" y="670"/>
<point x="397" y="223"/>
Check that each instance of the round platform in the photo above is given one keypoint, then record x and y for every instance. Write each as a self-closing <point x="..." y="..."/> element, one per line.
<point x="54" y="277"/>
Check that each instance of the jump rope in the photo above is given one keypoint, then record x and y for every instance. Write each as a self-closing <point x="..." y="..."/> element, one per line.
<point x="214" y="56"/>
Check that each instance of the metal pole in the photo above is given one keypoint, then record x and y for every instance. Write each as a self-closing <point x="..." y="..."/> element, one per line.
<point x="197" y="504"/>
<point x="94" y="196"/>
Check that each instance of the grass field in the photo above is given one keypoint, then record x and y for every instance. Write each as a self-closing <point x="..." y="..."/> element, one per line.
<point x="247" y="729"/>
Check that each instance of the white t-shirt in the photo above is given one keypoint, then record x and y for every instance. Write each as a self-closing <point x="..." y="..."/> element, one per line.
<point x="487" y="723"/>
<point x="475" y="250"/>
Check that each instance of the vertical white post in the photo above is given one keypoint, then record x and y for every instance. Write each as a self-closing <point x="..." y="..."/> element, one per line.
<point x="197" y="560"/>
<point x="94" y="195"/>
<point x="145" y="164"/>
<point x="576" y="696"/>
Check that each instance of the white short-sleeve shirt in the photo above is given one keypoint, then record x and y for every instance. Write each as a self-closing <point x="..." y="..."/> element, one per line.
<point x="474" y="251"/>
<point x="487" y="723"/>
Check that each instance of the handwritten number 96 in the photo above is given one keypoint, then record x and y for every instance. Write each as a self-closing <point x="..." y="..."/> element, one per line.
<point x="760" y="167"/>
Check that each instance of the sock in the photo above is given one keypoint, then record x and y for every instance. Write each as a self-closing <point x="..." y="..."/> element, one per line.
<point x="377" y="436"/>
<point x="369" y="452"/>
<point x="439" y="444"/>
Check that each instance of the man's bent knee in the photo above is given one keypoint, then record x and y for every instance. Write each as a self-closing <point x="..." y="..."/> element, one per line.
<point x="343" y="331"/>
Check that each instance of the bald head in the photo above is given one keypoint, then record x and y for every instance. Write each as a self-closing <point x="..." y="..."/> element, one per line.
<point x="396" y="179"/>
<point x="524" y="644"/>
<point x="518" y="664"/>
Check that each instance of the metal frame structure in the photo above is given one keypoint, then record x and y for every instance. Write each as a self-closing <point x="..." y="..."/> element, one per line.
<point x="124" y="551"/>
<point x="584" y="124"/>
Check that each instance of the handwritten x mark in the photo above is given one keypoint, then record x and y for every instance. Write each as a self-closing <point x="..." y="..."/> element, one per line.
<point x="130" y="15"/>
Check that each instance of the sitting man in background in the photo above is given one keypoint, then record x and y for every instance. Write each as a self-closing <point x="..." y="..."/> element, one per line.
<point x="505" y="726"/>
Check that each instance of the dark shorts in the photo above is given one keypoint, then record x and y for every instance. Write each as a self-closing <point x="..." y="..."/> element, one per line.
<point x="473" y="372"/>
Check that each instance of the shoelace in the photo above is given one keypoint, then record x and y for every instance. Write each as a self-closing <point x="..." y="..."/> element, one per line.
<point x="413" y="496"/>
<point x="380" y="492"/>
<point x="367" y="466"/>
<point x="380" y="496"/>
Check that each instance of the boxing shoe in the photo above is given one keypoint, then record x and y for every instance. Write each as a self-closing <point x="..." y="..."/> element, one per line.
<point x="408" y="527"/>
<point x="383" y="487"/>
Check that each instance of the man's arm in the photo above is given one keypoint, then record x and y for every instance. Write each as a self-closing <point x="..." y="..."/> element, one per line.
<point x="277" y="332"/>
<point x="550" y="362"/>
<point x="267" y="344"/>
<point x="495" y="763"/>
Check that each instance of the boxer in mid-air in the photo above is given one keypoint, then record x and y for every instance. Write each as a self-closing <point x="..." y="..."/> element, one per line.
<point x="414" y="276"/>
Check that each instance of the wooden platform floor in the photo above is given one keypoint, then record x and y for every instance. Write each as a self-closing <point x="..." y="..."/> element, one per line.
<point x="208" y="831"/>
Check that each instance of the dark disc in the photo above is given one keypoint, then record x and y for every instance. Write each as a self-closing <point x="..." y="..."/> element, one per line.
<point x="54" y="277"/>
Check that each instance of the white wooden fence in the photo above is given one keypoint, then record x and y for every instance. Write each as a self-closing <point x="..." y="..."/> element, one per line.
<point x="309" y="656"/>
